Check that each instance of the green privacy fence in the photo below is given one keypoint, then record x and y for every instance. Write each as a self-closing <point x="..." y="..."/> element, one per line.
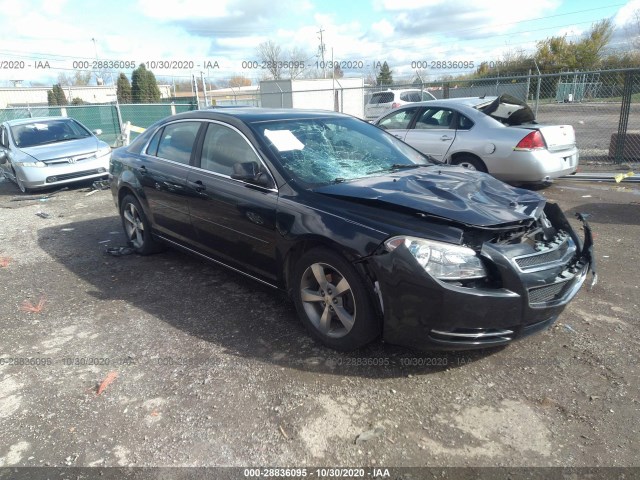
<point x="103" y="117"/>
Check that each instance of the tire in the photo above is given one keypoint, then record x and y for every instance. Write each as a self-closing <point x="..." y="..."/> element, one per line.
<point x="20" y="183"/>
<point x="137" y="227"/>
<point x="470" y="162"/>
<point x="333" y="302"/>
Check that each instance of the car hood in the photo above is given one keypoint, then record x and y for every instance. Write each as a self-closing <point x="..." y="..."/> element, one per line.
<point x="63" y="149"/>
<point x="509" y="110"/>
<point x="450" y="193"/>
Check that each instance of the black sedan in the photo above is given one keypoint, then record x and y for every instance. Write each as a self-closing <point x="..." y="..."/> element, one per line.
<point x="368" y="236"/>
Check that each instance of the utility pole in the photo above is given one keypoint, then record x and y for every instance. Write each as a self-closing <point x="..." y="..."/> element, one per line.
<point x="99" y="79"/>
<point x="195" y="86"/>
<point x="321" y="50"/>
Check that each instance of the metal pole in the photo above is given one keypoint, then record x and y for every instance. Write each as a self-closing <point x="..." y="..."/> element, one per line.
<point x="535" y="113"/>
<point x="204" y="89"/>
<point x="195" y="86"/>
<point x="624" y="117"/>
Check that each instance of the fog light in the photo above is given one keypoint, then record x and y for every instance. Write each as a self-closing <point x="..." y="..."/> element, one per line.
<point x="52" y="179"/>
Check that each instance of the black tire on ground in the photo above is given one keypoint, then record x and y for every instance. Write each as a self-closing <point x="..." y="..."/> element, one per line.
<point x="333" y="301"/>
<point x="470" y="162"/>
<point x="137" y="227"/>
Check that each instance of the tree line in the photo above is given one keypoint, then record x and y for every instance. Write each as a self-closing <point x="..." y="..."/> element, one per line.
<point x="143" y="88"/>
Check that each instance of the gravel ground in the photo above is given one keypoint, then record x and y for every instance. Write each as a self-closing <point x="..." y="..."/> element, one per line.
<point x="166" y="361"/>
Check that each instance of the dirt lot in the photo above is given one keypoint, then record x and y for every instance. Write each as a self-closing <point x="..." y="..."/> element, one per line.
<point x="213" y="369"/>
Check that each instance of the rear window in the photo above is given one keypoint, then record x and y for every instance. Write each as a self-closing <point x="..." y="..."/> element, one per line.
<point x="382" y="97"/>
<point x="410" y="96"/>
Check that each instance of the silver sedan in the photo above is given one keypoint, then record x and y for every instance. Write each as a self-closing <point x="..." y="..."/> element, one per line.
<point x="497" y="135"/>
<point x="46" y="152"/>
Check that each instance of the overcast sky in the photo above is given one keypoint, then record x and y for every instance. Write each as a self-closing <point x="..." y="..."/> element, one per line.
<point x="228" y="32"/>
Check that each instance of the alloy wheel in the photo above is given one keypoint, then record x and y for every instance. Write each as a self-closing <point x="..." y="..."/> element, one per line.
<point x="133" y="225"/>
<point x="328" y="300"/>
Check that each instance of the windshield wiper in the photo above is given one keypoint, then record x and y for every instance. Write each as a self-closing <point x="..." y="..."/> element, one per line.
<point x="401" y="166"/>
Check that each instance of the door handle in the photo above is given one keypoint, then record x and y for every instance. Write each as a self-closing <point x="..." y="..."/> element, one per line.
<point x="143" y="170"/>
<point x="444" y="138"/>
<point x="397" y="136"/>
<point x="197" y="185"/>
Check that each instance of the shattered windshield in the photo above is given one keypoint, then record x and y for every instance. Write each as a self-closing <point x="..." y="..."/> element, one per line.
<point x="320" y="151"/>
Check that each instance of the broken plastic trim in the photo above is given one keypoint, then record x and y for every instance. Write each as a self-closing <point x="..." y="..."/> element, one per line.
<point x="587" y="248"/>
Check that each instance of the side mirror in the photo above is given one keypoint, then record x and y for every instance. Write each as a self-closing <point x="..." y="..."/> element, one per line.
<point x="250" y="172"/>
<point x="97" y="131"/>
<point x="3" y="157"/>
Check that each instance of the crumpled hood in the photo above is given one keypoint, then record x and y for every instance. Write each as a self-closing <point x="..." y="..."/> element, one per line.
<point x="63" y="149"/>
<point x="470" y="198"/>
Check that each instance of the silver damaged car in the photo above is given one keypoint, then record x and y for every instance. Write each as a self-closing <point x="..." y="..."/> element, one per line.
<point x="497" y="135"/>
<point x="50" y="151"/>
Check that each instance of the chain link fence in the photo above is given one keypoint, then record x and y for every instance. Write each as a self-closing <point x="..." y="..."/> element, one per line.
<point x="602" y="106"/>
<point x="108" y="118"/>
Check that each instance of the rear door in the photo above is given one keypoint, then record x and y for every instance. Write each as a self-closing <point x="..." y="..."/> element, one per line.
<point x="163" y="172"/>
<point x="433" y="131"/>
<point x="234" y="221"/>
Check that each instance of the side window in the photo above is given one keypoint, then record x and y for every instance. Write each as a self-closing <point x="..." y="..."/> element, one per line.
<point x="223" y="147"/>
<point x="464" y="123"/>
<point x="435" y="118"/>
<point x="152" y="149"/>
<point x="427" y="96"/>
<point x="398" y="120"/>
<point x="177" y="140"/>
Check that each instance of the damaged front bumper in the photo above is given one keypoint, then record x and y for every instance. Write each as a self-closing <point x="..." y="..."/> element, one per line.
<point x="529" y="288"/>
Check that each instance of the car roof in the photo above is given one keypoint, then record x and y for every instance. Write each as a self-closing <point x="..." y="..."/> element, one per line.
<point x="467" y="101"/>
<point x="259" y="114"/>
<point x="22" y="121"/>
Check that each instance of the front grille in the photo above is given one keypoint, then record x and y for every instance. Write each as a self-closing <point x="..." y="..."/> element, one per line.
<point x="548" y="293"/>
<point x="68" y="176"/>
<point x="472" y="336"/>
<point x="548" y="252"/>
<point x="540" y="259"/>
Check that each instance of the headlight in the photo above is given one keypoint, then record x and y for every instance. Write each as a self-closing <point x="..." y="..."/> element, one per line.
<point x="103" y="151"/>
<point x="443" y="261"/>
<point x="37" y="164"/>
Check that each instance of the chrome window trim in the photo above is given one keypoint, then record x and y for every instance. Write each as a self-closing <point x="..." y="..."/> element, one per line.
<point x="144" y="153"/>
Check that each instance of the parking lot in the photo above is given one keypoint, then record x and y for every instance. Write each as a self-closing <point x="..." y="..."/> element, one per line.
<point x="166" y="361"/>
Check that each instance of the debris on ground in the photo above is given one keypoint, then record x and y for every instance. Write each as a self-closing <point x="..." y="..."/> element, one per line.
<point x="120" y="251"/>
<point x="67" y="229"/>
<point x="43" y="215"/>
<point x="369" y="435"/>
<point x="44" y="197"/>
<point x="4" y="262"/>
<point x="284" y="434"/>
<point x="108" y="380"/>
<point x="101" y="185"/>
<point x="27" y="306"/>
<point x="621" y="176"/>
<point x="91" y="193"/>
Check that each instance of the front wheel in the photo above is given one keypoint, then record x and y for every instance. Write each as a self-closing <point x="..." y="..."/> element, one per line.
<point x="137" y="226"/>
<point x="333" y="302"/>
<point x="20" y="183"/>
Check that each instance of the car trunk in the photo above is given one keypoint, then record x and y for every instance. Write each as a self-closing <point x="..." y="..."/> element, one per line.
<point x="513" y="112"/>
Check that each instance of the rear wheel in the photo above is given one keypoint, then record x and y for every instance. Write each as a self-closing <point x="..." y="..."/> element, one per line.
<point x="470" y="162"/>
<point x="137" y="227"/>
<point x="332" y="301"/>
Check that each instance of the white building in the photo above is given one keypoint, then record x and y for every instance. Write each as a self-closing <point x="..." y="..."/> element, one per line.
<point x="344" y="95"/>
